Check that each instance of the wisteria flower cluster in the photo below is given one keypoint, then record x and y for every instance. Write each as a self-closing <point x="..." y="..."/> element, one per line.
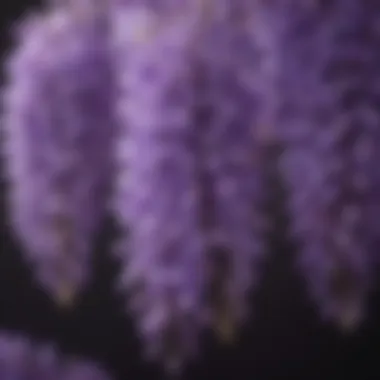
<point x="164" y="110"/>
<point x="21" y="358"/>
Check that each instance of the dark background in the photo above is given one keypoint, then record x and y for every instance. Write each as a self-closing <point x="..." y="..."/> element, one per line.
<point x="284" y="340"/>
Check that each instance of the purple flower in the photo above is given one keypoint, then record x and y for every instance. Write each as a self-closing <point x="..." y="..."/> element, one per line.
<point x="157" y="193"/>
<point x="230" y="107"/>
<point x="59" y="128"/>
<point x="21" y="358"/>
<point x="328" y="123"/>
<point x="190" y="183"/>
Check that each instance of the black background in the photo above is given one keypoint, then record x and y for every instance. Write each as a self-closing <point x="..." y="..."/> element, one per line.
<point x="284" y="339"/>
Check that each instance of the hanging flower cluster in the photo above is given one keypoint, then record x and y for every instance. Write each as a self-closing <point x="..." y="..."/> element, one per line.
<point x="21" y="358"/>
<point x="59" y="128"/>
<point x="329" y="125"/>
<point x="173" y="103"/>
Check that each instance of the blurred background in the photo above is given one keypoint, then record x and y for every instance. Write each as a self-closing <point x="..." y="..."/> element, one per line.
<point x="283" y="340"/>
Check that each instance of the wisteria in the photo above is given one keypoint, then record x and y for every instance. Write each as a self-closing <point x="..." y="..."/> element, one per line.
<point x="229" y="112"/>
<point x="157" y="188"/>
<point x="189" y="152"/>
<point x="328" y="121"/>
<point x="166" y="109"/>
<point x="59" y="128"/>
<point x="21" y="358"/>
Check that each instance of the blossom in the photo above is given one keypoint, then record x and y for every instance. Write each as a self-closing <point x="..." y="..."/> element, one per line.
<point x="21" y="358"/>
<point x="59" y="125"/>
<point x="328" y="124"/>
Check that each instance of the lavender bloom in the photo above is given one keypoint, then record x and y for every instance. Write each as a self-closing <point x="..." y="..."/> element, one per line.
<point x="328" y="124"/>
<point x="59" y="127"/>
<point x="229" y="129"/>
<point x="189" y="169"/>
<point x="20" y="359"/>
<point x="157" y="198"/>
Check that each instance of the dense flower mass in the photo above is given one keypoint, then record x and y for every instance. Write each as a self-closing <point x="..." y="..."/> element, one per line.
<point x="59" y="127"/>
<point x="189" y="188"/>
<point x="157" y="188"/>
<point x="21" y="358"/>
<point x="175" y="103"/>
<point x="328" y="122"/>
<point x="228" y="111"/>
